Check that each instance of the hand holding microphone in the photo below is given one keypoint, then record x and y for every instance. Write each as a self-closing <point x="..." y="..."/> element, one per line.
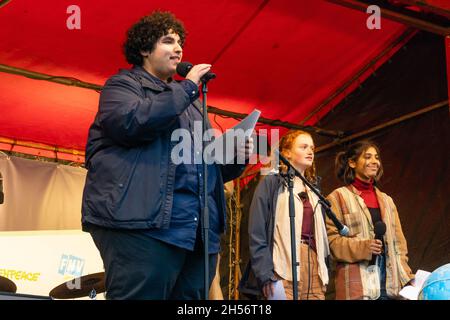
<point x="376" y="245"/>
<point x="198" y="73"/>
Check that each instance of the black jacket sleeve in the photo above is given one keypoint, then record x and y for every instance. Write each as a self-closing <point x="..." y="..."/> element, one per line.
<point x="261" y="214"/>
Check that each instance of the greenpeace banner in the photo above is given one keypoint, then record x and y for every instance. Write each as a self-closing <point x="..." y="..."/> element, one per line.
<point x="38" y="261"/>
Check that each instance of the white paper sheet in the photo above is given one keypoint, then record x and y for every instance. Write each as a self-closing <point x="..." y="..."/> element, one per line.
<point x="411" y="292"/>
<point x="278" y="291"/>
<point x="221" y="150"/>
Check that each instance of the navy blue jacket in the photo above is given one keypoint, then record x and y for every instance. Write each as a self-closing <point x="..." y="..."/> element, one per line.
<point x="130" y="177"/>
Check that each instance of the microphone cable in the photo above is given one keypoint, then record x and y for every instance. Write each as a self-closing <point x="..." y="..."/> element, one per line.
<point x="309" y="251"/>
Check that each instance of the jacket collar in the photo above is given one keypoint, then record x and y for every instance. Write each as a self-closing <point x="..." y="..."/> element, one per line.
<point x="147" y="80"/>
<point x="352" y="188"/>
<point x="363" y="205"/>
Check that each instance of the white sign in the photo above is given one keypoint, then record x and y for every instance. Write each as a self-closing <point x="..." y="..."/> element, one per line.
<point x="38" y="261"/>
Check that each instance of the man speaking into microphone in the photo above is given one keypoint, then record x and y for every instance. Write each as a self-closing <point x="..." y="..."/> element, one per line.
<point x="143" y="210"/>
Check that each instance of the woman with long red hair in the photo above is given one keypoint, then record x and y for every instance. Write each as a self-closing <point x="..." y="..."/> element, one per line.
<point x="269" y="272"/>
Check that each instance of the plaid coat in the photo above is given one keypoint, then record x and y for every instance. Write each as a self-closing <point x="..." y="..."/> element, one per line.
<point x="351" y="255"/>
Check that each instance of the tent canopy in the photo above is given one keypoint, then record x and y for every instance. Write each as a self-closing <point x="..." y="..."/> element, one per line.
<point x="283" y="57"/>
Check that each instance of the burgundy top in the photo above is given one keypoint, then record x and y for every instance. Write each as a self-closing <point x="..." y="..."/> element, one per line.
<point x="308" y="224"/>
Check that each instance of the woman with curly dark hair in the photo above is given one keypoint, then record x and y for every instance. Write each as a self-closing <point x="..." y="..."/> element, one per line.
<point x="365" y="266"/>
<point x="140" y="206"/>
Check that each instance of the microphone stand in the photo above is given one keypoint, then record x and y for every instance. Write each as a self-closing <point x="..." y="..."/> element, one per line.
<point x="2" y="195"/>
<point x="205" y="216"/>
<point x="294" y="264"/>
<point x="205" y="212"/>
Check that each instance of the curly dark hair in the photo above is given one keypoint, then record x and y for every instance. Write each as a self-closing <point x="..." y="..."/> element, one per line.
<point x="347" y="174"/>
<point x="144" y="34"/>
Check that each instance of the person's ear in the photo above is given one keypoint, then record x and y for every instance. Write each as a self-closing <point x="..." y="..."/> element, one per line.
<point x="145" y="54"/>
<point x="288" y="154"/>
<point x="351" y="164"/>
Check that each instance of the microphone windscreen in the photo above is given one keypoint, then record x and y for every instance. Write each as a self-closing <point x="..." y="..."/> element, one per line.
<point x="183" y="68"/>
<point x="379" y="228"/>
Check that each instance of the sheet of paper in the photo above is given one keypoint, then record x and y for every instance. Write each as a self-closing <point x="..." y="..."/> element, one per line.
<point x="278" y="291"/>
<point x="249" y="122"/>
<point x="420" y="277"/>
<point x="222" y="149"/>
<point x="409" y="292"/>
<point x="412" y="292"/>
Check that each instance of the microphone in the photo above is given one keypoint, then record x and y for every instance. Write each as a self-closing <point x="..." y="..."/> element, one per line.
<point x="183" y="69"/>
<point x="343" y="229"/>
<point x="380" y="229"/>
<point x="2" y="195"/>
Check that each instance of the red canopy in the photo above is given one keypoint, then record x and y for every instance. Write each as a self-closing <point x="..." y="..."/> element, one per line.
<point x="284" y="57"/>
<point x="442" y="4"/>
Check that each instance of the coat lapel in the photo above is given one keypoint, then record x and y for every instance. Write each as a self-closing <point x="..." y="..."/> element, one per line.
<point x="362" y="204"/>
<point x="381" y="203"/>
